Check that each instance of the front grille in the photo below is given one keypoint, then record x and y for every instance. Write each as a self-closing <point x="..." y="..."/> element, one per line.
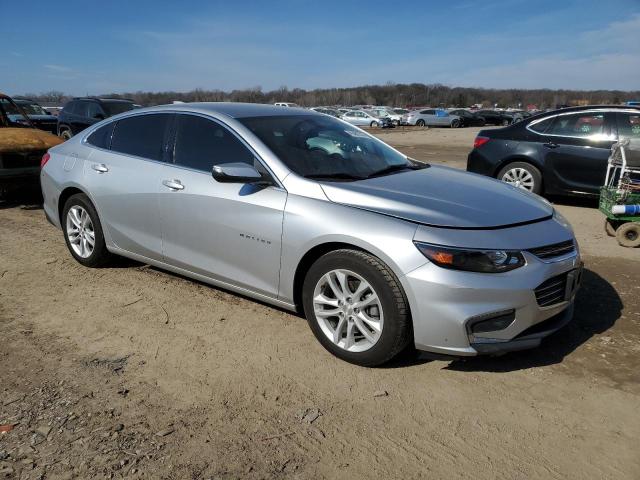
<point x="20" y="160"/>
<point x="552" y="291"/>
<point x="554" y="250"/>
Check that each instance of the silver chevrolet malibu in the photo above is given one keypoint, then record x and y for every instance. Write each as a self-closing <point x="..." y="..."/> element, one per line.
<point x="310" y="213"/>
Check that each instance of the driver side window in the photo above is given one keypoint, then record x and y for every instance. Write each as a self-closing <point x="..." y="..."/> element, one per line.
<point x="201" y="144"/>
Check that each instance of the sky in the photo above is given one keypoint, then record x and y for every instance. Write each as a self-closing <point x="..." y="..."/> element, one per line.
<point x="96" y="47"/>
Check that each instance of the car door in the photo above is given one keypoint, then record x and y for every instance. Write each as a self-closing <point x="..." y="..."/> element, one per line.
<point x="230" y="232"/>
<point x="124" y="181"/>
<point x="429" y="117"/>
<point x="575" y="149"/>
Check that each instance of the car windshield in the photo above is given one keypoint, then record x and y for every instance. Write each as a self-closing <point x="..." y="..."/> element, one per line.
<point x="114" y="108"/>
<point x="324" y="147"/>
<point x="33" y="109"/>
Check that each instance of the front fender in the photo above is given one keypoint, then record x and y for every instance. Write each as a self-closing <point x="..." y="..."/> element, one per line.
<point x="309" y="223"/>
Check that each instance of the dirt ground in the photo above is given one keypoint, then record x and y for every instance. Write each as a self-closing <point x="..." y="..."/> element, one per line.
<point x="133" y="372"/>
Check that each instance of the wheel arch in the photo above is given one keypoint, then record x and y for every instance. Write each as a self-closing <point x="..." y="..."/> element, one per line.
<point x="309" y="259"/>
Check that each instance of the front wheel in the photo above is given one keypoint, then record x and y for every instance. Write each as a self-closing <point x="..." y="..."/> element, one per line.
<point x="522" y="175"/>
<point x="356" y="307"/>
<point x="373" y="124"/>
<point x="505" y="123"/>
<point x="420" y="123"/>
<point x="66" y="134"/>
<point x="83" y="232"/>
<point x="455" y="124"/>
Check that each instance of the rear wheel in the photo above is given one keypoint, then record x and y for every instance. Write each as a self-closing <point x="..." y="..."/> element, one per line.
<point x="420" y="123"/>
<point x="522" y="175"/>
<point x="505" y="122"/>
<point x="356" y="307"/>
<point x="628" y="234"/>
<point x="374" y="124"/>
<point x="455" y="123"/>
<point x="83" y="232"/>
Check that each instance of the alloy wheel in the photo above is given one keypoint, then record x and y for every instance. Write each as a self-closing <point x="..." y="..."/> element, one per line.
<point x="519" y="177"/>
<point x="80" y="231"/>
<point x="348" y="310"/>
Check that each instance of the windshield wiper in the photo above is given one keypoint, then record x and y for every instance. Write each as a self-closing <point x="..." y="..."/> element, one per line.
<point x="334" y="176"/>
<point x="398" y="168"/>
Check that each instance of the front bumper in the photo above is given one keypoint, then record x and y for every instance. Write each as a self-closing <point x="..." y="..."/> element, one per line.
<point x="445" y="303"/>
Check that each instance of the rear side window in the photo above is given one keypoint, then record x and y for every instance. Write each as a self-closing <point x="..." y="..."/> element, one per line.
<point x="142" y="135"/>
<point x="542" y="126"/>
<point x="202" y="143"/>
<point x="578" y="125"/>
<point x="628" y="125"/>
<point x="101" y="138"/>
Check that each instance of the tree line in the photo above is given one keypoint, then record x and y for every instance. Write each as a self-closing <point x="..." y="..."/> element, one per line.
<point x="391" y="94"/>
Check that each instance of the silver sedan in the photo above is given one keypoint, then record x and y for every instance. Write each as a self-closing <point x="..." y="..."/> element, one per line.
<point x="431" y="117"/>
<point x="306" y="212"/>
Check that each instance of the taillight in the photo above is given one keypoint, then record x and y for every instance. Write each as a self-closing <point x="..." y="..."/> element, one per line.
<point x="479" y="141"/>
<point x="45" y="159"/>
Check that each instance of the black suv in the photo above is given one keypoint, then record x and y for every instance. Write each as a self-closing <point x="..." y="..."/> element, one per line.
<point x="559" y="152"/>
<point x="81" y="113"/>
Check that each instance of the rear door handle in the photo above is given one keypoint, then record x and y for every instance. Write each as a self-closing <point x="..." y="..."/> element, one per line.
<point x="550" y="145"/>
<point x="173" y="184"/>
<point x="100" y="167"/>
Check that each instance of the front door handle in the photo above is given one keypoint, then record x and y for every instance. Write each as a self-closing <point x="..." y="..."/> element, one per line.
<point x="173" y="184"/>
<point x="100" y="167"/>
<point x="550" y="145"/>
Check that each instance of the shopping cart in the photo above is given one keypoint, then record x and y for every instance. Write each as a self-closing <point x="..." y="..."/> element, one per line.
<point x="620" y="195"/>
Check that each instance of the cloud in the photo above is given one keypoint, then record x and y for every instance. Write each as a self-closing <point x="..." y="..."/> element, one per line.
<point x="57" y="68"/>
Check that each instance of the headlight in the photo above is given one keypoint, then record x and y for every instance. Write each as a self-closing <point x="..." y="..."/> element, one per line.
<point x="484" y="261"/>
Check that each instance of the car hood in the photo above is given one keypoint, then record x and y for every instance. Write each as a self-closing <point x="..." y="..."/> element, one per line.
<point x="442" y="197"/>
<point x="26" y="140"/>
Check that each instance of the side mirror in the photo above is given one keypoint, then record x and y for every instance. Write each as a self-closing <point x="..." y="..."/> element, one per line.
<point x="236" y="172"/>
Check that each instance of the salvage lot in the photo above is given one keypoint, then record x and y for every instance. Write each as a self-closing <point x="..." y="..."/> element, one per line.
<point x="131" y="371"/>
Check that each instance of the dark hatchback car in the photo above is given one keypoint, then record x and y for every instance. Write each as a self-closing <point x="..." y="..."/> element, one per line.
<point x="561" y="152"/>
<point x="468" y="119"/>
<point x="81" y="113"/>
<point x="39" y="117"/>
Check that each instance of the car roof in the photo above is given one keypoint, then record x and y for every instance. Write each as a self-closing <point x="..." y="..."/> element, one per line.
<point x="580" y="109"/>
<point x="104" y="99"/>
<point x="235" y="109"/>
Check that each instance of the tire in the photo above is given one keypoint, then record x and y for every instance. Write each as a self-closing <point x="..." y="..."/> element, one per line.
<point x="373" y="124"/>
<point x="99" y="255"/>
<point x="455" y="124"/>
<point x="529" y="176"/>
<point x="506" y="123"/>
<point x="420" y="123"/>
<point x="610" y="227"/>
<point x="66" y="134"/>
<point x="390" y="306"/>
<point x="628" y="234"/>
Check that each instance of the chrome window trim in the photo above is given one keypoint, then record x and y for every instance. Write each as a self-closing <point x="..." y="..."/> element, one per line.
<point x="612" y="137"/>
